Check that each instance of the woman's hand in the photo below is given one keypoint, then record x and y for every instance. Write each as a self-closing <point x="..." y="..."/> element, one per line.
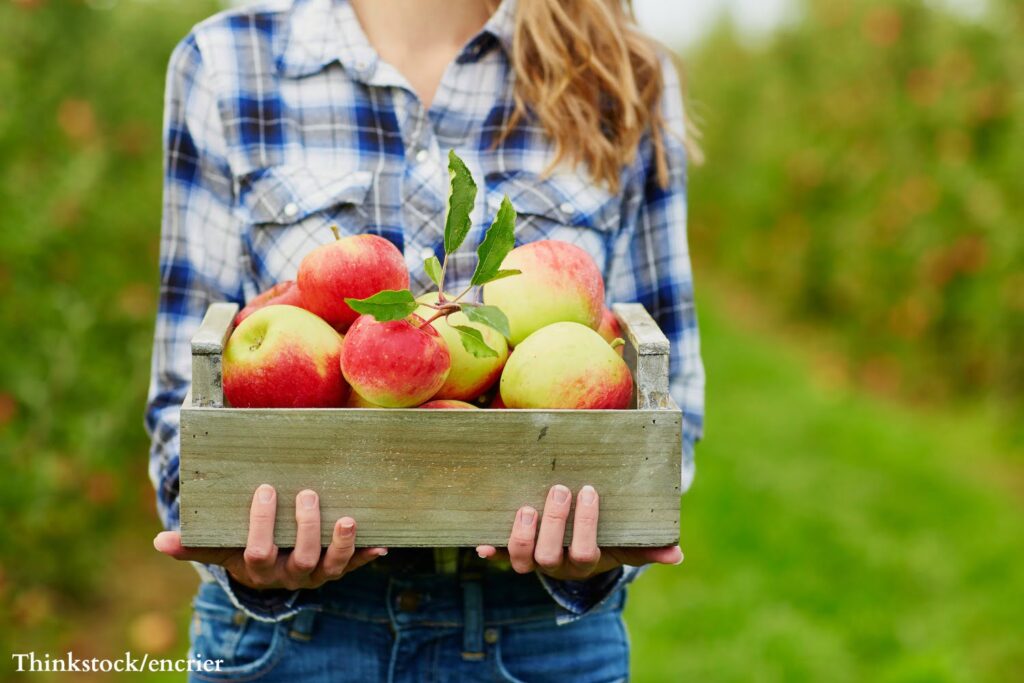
<point x="529" y="550"/>
<point x="260" y="565"/>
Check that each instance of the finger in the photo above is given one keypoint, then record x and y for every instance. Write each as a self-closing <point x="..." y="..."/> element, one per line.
<point x="306" y="554"/>
<point x="340" y="551"/>
<point x="169" y="543"/>
<point x="486" y="551"/>
<point x="584" y="553"/>
<point x="260" y="551"/>
<point x="489" y="552"/>
<point x="671" y="554"/>
<point x="521" y="541"/>
<point x="550" y="540"/>
<point x="364" y="556"/>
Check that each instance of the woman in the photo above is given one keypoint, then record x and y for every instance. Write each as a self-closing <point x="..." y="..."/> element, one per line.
<point x="286" y="119"/>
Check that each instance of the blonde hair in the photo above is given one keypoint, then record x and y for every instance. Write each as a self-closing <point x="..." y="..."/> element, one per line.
<point x="594" y="82"/>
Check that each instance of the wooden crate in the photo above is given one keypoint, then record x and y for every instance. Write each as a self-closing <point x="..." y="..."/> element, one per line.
<point x="430" y="478"/>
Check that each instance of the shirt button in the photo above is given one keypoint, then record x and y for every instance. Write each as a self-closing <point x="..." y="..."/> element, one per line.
<point x="566" y="207"/>
<point x="291" y="209"/>
<point x="422" y="156"/>
<point x="426" y="253"/>
<point x="361" y="65"/>
<point x="491" y="636"/>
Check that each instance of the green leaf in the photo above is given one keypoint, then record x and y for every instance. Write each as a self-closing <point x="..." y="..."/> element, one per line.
<point x="498" y="241"/>
<point x="491" y="316"/>
<point x="501" y="274"/>
<point x="473" y="341"/>
<point x="461" y="196"/>
<point x="433" y="268"/>
<point x="390" y="304"/>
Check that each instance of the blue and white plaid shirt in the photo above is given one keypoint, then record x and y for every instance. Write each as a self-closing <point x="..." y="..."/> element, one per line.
<point x="281" y="120"/>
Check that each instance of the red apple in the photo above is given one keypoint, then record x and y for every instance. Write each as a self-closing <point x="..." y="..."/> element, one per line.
<point x="395" y="364"/>
<point x="357" y="266"/>
<point x="449" y="404"/>
<point x="284" y="357"/>
<point x="285" y="293"/>
<point x="610" y="330"/>
<point x="566" y="365"/>
<point x="470" y="376"/>
<point x="558" y="282"/>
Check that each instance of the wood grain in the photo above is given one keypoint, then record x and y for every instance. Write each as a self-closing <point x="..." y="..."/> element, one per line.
<point x="428" y="477"/>
<point x="431" y="478"/>
<point x="207" y="351"/>
<point x="646" y="353"/>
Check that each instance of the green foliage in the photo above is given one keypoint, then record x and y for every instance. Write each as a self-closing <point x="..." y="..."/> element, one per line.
<point x="488" y="315"/>
<point x="390" y="304"/>
<point x="473" y="341"/>
<point x="830" y="536"/>
<point x="80" y="182"/>
<point x="497" y="243"/>
<point x="864" y="170"/>
<point x="461" y="196"/>
<point x="433" y="269"/>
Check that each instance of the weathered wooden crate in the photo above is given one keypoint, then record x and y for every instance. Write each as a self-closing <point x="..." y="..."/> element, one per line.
<point x="430" y="478"/>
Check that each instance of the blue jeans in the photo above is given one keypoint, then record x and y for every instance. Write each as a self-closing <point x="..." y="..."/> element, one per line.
<point x="377" y="626"/>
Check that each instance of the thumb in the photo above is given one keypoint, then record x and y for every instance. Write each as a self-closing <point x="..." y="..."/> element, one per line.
<point x="671" y="554"/>
<point x="169" y="543"/>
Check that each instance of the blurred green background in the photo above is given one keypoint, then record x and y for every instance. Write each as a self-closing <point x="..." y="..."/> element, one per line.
<point x="858" y="234"/>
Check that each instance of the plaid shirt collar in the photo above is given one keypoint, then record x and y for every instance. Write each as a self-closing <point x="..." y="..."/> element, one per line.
<point x="324" y="31"/>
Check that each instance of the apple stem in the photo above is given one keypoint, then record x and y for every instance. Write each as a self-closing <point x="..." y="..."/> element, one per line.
<point x="440" y="285"/>
<point x="464" y="292"/>
<point x="337" y="235"/>
<point x="442" y="311"/>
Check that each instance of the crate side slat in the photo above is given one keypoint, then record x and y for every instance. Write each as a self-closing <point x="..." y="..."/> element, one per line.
<point x="646" y="354"/>
<point x="411" y="478"/>
<point x="207" y="349"/>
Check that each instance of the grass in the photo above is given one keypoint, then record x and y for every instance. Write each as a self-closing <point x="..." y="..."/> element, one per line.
<point x="830" y="536"/>
<point x="834" y="536"/>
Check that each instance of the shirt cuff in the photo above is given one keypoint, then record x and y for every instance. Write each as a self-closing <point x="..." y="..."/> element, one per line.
<point x="576" y="599"/>
<point x="271" y="605"/>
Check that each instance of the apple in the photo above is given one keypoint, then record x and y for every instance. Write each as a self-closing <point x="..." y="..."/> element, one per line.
<point x="395" y="364"/>
<point x="356" y="266"/>
<point x="284" y="357"/>
<point x="449" y="404"/>
<point x="497" y="403"/>
<point x="565" y="365"/>
<point x="470" y="376"/>
<point x="609" y="329"/>
<point x="559" y="282"/>
<point x="285" y="293"/>
<point x="357" y="401"/>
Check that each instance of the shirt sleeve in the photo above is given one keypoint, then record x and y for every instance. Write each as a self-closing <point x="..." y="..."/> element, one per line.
<point x="651" y="265"/>
<point x="200" y="263"/>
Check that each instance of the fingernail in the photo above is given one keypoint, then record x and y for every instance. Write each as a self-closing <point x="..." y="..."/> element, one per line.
<point x="308" y="499"/>
<point x="346" y="525"/>
<point x="681" y="558"/>
<point x="588" y="495"/>
<point x="561" y="494"/>
<point x="382" y="552"/>
<point x="526" y="516"/>
<point x="481" y="555"/>
<point x="265" y="493"/>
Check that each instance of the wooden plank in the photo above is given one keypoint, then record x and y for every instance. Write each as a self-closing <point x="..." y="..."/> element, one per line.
<point x="207" y="350"/>
<point x="646" y="353"/>
<point x="428" y="477"/>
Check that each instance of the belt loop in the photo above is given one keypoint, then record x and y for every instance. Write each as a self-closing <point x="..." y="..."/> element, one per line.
<point x="302" y="625"/>
<point x="472" y="614"/>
